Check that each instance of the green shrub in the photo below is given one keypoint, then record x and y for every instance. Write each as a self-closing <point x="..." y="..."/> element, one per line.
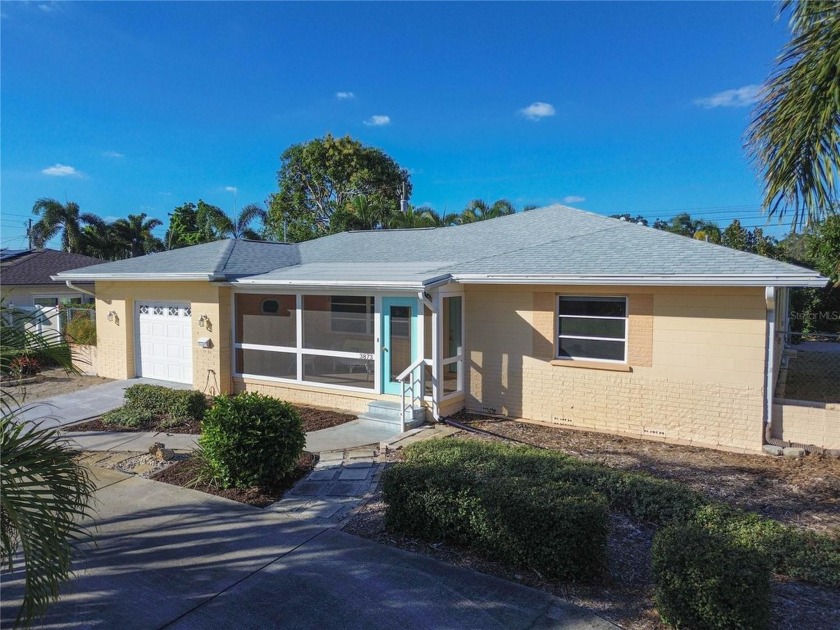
<point x="81" y="330"/>
<point x="176" y="404"/>
<point x="558" y="529"/>
<point x="250" y="439"/>
<point x="127" y="416"/>
<point x="793" y="552"/>
<point x="704" y="580"/>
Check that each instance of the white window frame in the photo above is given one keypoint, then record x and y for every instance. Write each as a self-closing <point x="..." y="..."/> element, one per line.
<point x="338" y="316"/>
<point x="558" y="336"/>
<point x="302" y="352"/>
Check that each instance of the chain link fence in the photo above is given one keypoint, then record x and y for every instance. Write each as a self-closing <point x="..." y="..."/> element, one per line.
<point x="810" y="368"/>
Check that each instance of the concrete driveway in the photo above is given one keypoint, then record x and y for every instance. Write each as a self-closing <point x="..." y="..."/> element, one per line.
<point x="171" y="557"/>
<point x="85" y="403"/>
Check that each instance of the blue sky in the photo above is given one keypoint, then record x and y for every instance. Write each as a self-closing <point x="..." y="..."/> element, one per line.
<point x="610" y="107"/>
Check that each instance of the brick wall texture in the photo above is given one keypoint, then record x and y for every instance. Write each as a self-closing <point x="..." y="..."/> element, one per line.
<point x="696" y="360"/>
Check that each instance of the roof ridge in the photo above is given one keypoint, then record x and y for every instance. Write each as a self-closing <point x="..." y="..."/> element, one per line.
<point x="225" y="256"/>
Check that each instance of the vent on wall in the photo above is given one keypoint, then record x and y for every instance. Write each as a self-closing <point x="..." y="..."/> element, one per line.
<point x="656" y="432"/>
<point x="562" y="420"/>
<point x="489" y="410"/>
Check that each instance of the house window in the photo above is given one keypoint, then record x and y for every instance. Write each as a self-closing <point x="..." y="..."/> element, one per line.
<point x="351" y="314"/>
<point x="592" y="328"/>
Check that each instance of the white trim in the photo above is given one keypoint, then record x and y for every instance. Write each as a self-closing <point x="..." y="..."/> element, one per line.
<point x="362" y="356"/>
<point x="583" y="298"/>
<point x="804" y="280"/>
<point x="140" y="277"/>
<point x="313" y="384"/>
<point x="266" y="348"/>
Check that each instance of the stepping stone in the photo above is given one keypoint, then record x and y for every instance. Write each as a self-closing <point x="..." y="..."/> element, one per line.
<point x="361" y="453"/>
<point x="325" y="474"/>
<point x="331" y="456"/>
<point x="309" y="488"/>
<point x="354" y="474"/>
<point x="346" y="489"/>
<point x="359" y="464"/>
<point x="323" y="509"/>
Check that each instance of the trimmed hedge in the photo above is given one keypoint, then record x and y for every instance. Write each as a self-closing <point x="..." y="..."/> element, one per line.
<point x="250" y="439"/>
<point x="558" y="529"/>
<point x="126" y="416"/>
<point x="794" y="552"/>
<point x="704" y="580"/>
<point x="176" y="404"/>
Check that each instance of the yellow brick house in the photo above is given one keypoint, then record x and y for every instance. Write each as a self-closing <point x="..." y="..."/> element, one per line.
<point x="555" y="315"/>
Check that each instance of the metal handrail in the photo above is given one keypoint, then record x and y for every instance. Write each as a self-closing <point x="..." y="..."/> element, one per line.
<point x="413" y="388"/>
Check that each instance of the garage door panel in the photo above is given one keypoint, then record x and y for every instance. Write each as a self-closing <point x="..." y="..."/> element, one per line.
<point x="164" y="340"/>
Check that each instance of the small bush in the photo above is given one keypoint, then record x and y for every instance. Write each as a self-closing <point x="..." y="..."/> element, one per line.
<point x="81" y="330"/>
<point x="704" y="580"/>
<point x="558" y="529"/>
<point x="250" y="439"/>
<point x="24" y="366"/>
<point x="176" y="404"/>
<point x="127" y="416"/>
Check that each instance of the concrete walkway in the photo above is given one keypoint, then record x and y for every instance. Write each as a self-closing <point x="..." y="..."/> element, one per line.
<point x="343" y="436"/>
<point x="171" y="557"/>
<point x="86" y="403"/>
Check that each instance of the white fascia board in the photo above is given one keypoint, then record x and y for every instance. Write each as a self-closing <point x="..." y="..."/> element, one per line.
<point x="326" y="284"/>
<point x="804" y="280"/>
<point x="139" y="277"/>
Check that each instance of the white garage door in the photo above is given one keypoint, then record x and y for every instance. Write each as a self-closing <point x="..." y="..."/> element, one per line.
<point x="164" y="341"/>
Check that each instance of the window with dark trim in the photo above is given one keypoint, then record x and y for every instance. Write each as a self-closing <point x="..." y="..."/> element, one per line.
<point x="592" y="328"/>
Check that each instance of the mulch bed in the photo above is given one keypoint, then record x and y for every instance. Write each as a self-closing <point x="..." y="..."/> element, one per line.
<point x="800" y="491"/>
<point x="314" y="419"/>
<point x="626" y="594"/>
<point x="183" y="474"/>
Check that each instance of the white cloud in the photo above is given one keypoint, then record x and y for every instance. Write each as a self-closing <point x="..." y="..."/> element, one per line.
<point x="113" y="154"/>
<point x="573" y="199"/>
<point x="60" y="170"/>
<point x="232" y="189"/>
<point x="537" y="111"/>
<point x="378" y="120"/>
<point x="740" y="97"/>
<point x="344" y="96"/>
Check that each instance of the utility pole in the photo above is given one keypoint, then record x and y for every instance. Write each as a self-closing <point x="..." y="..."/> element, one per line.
<point x="29" y="232"/>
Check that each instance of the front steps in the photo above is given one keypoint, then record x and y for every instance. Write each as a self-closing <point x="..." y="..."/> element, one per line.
<point x="387" y="413"/>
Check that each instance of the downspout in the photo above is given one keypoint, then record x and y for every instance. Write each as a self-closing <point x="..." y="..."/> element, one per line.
<point x="770" y="301"/>
<point x="69" y="284"/>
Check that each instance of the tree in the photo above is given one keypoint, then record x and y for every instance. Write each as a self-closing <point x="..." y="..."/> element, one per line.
<point x="794" y="135"/>
<point x="239" y="226"/>
<point x="822" y="247"/>
<point x="320" y="177"/>
<point x="629" y="218"/>
<point x="735" y="236"/>
<point x="135" y="233"/>
<point x="479" y="210"/>
<point x="46" y="494"/>
<point x="98" y="240"/>
<point x="64" y="218"/>
<point x="361" y="213"/>
<point x="183" y="227"/>
<point x="684" y="225"/>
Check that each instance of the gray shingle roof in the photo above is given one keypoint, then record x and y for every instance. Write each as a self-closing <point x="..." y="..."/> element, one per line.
<point x="553" y="241"/>
<point x="36" y="266"/>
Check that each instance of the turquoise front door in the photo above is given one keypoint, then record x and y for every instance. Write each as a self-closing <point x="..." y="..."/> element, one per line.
<point x="400" y="345"/>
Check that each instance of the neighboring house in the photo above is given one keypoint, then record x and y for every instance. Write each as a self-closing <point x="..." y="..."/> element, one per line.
<point x="555" y="315"/>
<point x="26" y="282"/>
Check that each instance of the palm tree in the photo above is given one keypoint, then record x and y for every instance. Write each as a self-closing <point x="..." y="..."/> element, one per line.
<point x="479" y="210"/>
<point x="239" y="226"/>
<point x="433" y="219"/>
<point x="98" y="240"/>
<point x="794" y="136"/>
<point x="135" y="233"/>
<point x="65" y="218"/>
<point x="46" y="494"/>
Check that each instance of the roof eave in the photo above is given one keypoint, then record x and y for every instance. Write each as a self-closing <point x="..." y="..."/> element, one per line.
<point x="137" y="277"/>
<point x="804" y="280"/>
<point x="395" y="285"/>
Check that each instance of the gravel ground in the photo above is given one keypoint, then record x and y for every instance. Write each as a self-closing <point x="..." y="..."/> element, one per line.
<point x="52" y="383"/>
<point x="625" y="597"/>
